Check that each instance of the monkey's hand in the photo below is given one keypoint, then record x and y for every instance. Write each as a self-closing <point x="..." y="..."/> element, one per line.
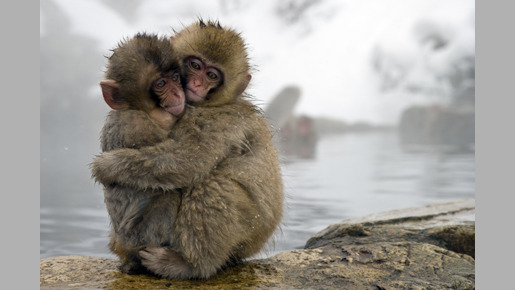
<point x="164" y="119"/>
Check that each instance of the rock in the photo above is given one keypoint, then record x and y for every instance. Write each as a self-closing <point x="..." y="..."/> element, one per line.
<point x="418" y="248"/>
<point x="68" y="272"/>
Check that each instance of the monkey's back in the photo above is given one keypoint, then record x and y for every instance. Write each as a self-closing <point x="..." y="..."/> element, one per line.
<point x="247" y="182"/>
<point x="129" y="207"/>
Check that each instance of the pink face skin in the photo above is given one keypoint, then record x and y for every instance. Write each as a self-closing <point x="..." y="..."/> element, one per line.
<point x="201" y="78"/>
<point x="169" y="91"/>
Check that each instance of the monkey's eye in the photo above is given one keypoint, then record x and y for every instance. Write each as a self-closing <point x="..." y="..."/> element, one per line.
<point x="195" y="65"/>
<point x="175" y="77"/>
<point x="213" y="75"/>
<point x="160" y="83"/>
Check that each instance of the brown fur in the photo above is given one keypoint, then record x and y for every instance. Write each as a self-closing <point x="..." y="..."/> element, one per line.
<point x="222" y="159"/>
<point x="224" y="48"/>
<point x="139" y="217"/>
<point x="134" y="65"/>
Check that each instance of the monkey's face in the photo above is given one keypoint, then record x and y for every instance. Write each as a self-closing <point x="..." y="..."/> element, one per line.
<point x="169" y="92"/>
<point x="201" y="78"/>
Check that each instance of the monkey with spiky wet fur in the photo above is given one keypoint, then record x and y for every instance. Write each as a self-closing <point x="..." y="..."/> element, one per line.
<point x="220" y="155"/>
<point x="143" y="87"/>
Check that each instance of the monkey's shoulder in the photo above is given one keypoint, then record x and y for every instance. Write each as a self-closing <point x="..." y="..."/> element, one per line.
<point x="127" y="117"/>
<point x="130" y="129"/>
<point x="241" y="114"/>
<point x="238" y="125"/>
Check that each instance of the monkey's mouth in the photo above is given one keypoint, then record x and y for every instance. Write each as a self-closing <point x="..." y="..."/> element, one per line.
<point x="191" y="95"/>
<point x="174" y="109"/>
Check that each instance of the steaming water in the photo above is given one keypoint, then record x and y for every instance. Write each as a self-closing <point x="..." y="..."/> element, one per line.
<point x="352" y="175"/>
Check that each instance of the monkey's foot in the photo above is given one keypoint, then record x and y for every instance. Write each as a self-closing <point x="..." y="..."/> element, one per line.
<point x="132" y="268"/>
<point x="166" y="263"/>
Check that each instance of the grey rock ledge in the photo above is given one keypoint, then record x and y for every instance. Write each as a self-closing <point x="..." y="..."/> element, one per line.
<point x="429" y="247"/>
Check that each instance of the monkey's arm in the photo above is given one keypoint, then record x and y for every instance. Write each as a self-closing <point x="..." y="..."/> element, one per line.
<point x="175" y="163"/>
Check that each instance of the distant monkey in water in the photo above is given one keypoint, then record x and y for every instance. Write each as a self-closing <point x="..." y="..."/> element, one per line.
<point x="220" y="156"/>
<point x="143" y="87"/>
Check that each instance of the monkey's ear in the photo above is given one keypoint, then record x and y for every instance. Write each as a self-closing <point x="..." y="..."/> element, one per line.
<point x="111" y="93"/>
<point x="244" y="84"/>
<point x="172" y="39"/>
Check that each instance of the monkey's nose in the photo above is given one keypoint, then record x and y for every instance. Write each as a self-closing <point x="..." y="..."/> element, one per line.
<point x="197" y="83"/>
<point x="180" y="97"/>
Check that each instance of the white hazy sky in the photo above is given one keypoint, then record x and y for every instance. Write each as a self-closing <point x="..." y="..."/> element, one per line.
<point x="327" y="54"/>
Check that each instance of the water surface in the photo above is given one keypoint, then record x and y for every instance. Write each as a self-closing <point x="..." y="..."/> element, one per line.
<point x="352" y="175"/>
